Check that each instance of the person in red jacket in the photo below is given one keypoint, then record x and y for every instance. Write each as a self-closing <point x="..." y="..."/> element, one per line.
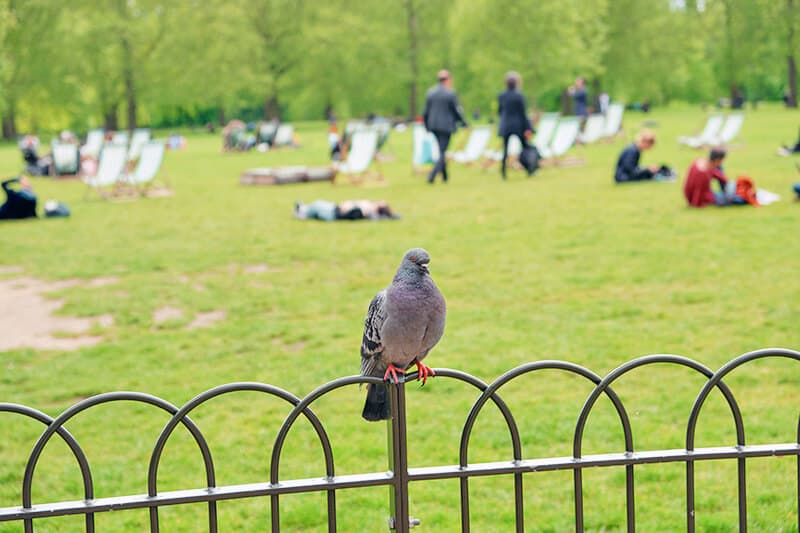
<point x="697" y="188"/>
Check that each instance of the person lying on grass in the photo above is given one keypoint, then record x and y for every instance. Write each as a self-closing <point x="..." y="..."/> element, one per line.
<point x="346" y="210"/>
<point x="20" y="203"/>
<point x="628" y="168"/>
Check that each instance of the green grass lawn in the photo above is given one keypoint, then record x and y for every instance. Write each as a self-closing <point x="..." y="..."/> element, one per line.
<point x="564" y="265"/>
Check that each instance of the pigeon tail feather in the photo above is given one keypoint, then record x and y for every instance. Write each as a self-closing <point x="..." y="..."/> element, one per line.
<point x="377" y="405"/>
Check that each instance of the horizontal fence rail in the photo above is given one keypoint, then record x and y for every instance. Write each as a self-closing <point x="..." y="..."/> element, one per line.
<point x="399" y="475"/>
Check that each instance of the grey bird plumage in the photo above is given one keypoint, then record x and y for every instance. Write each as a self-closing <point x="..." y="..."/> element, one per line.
<point x="404" y="322"/>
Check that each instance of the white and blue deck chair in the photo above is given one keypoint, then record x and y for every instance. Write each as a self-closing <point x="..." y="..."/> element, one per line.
<point x="709" y="134"/>
<point x="593" y="129"/>
<point x="284" y="136"/>
<point x="94" y="143"/>
<point x="563" y="139"/>
<point x="545" y="129"/>
<point x="109" y="171"/>
<point x="143" y="176"/>
<point x="730" y="130"/>
<point x="613" y="123"/>
<point x="139" y="138"/>
<point x="363" y="147"/>
<point x="66" y="159"/>
<point x="426" y="149"/>
<point x="120" y="137"/>
<point x="476" y="145"/>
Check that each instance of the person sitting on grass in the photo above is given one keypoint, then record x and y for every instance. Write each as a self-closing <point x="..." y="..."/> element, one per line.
<point x="697" y="188"/>
<point x="628" y="168"/>
<point x="19" y="203"/>
<point x="346" y="210"/>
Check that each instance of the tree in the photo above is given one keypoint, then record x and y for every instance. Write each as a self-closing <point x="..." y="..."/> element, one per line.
<point x="26" y="38"/>
<point x="791" y="66"/>
<point x="280" y="41"/>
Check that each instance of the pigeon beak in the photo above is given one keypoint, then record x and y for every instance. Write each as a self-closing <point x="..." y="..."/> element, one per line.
<point x="424" y="267"/>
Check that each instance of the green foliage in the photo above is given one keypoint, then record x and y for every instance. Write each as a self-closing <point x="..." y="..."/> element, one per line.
<point x="154" y="61"/>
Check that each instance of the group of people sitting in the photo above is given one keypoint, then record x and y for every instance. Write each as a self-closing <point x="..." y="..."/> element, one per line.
<point x="697" y="188"/>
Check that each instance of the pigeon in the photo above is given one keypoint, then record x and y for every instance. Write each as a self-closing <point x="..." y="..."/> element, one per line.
<point x="404" y="322"/>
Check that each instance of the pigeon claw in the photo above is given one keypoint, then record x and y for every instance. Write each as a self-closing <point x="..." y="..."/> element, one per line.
<point x="424" y="372"/>
<point x="391" y="372"/>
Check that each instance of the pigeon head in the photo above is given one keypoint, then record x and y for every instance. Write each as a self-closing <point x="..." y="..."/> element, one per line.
<point x="416" y="260"/>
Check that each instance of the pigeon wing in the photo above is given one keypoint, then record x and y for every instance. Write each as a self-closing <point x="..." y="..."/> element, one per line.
<point x="371" y="343"/>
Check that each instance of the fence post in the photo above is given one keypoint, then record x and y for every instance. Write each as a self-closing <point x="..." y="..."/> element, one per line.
<point x="398" y="459"/>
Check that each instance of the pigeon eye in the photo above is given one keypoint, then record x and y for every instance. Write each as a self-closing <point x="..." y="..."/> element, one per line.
<point x="412" y="259"/>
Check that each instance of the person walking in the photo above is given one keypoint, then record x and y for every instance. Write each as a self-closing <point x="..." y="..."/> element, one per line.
<point x="442" y="115"/>
<point x="513" y="117"/>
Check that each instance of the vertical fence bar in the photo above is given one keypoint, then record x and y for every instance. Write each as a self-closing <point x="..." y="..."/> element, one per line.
<point x="689" y="496"/>
<point x="577" y="481"/>
<point x="465" y="504"/>
<point x="519" y="503"/>
<point x="742" y="497"/>
<point x="274" y="513"/>
<point x="331" y="511"/>
<point x="398" y="460"/>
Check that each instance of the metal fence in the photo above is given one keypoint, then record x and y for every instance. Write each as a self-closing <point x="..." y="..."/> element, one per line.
<point x="400" y="475"/>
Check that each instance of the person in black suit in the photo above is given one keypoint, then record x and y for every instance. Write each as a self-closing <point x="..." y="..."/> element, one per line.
<point x="442" y="115"/>
<point x="513" y="117"/>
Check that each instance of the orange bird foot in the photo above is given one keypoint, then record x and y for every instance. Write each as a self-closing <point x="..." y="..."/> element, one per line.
<point x="391" y="372"/>
<point x="423" y="372"/>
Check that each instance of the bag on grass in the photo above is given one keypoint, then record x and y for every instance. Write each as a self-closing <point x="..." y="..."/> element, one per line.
<point x="54" y="209"/>
<point x="529" y="159"/>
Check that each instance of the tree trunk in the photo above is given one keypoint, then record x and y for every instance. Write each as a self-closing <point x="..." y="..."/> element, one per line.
<point x="130" y="86"/>
<point x="272" y="108"/>
<point x="10" y="125"/>
<point x="413" y="42"/>
<point x="790" y="63"/>
<point x="566" y="101"/>
<point x="130" y="94"/>
<point x="730" y="52"/>
<point x="221" y="116"/>
<point x="110" y="118"/>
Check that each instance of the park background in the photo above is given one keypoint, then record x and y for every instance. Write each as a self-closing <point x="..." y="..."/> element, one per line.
<point x="122" y="64"/>
<point x="564" y="265"/>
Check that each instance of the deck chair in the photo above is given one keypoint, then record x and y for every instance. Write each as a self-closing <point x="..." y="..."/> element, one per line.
<point x="66" y="159"/>
<point x="284" y="136"/>
<point x="593" y="129"/>
<point x="363" y="147"/>
<point x="139" y="138"/>
<point x="613" y="123"/>
<point x="426" y="149"/>
<point x="120" y="137"/>
<point x="708" y="135"/>
<point x="730" y="130"/>
<point x="266" y="132"/>
<point x="109" y="171"/>
<point x="476" y="145"/>
<point x="150" y="159"/>
<point x="545" y="129"/>
<point x="94" y="143"/>
<point x="564" y="137"/>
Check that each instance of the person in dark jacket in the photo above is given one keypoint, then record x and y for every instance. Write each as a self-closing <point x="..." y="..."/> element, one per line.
<point x="19" y="203"/>
<point x="442" y="116"/>
<point x="513" y="117"/>
<point x="628" y="168"/>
